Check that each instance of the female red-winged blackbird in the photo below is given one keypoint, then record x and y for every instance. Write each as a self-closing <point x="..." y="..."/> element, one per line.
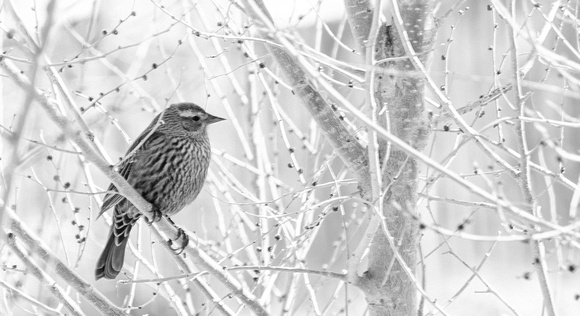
<point x="168" y="170"/>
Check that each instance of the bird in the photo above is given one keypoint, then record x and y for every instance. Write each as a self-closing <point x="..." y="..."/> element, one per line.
<point x="167" y="164"/>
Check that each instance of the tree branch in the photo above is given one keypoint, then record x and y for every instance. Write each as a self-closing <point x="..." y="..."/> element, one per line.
<point x="525" y="175"/>
<point x="38" y="248"/>
<point x="344" y="143"/>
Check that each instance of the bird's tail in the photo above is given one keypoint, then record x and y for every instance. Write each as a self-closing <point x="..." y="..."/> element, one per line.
<point x="111" y="260"/>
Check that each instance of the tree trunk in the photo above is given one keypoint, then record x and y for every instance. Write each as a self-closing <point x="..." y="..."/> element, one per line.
<point x="399" y="93"/>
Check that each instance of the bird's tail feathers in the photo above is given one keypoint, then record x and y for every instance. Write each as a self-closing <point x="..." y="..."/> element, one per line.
<point x="111" y="260"/>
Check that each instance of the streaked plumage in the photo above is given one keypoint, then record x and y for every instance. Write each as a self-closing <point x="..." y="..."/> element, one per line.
<point x="168" y="169"/>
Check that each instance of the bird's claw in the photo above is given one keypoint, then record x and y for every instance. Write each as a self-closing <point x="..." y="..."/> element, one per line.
<point x="185" y="237"/>
<point x="180" y="234"/>
<point x="157" y="215"/>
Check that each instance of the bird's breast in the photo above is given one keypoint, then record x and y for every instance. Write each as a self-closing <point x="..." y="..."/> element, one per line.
<point x="172" y="175"/>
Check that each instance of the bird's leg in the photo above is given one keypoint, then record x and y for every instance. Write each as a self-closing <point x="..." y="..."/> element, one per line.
<point x="180" y="234"/>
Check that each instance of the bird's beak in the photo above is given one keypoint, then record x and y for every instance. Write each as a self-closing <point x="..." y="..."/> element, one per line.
<point x="213" y="119"/>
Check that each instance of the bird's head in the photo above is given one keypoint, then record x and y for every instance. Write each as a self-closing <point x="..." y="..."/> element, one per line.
<point x="187" y="119"/>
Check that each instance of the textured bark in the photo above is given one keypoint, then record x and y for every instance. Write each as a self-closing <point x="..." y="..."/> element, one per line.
<point x="360" y="14"/>
<point x="389" y="291"/>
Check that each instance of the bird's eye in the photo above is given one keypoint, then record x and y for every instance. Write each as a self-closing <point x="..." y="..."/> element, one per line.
<point x="195" y="118"/>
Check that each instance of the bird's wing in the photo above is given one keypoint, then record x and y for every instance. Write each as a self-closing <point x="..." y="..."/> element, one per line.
<point x="147" y="136"/>
<point x="112" y="199"/>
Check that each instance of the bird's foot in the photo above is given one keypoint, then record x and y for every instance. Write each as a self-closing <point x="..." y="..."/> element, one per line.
<point x="157" y="215"/>
<point x="180" y="234"/>
<point x="185" y="240"/>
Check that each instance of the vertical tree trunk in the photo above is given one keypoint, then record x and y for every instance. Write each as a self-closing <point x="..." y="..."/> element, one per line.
<point x="399" y="93"/>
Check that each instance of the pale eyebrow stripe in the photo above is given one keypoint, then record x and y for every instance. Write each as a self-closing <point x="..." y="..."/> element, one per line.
<point x="187" y="113"/>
